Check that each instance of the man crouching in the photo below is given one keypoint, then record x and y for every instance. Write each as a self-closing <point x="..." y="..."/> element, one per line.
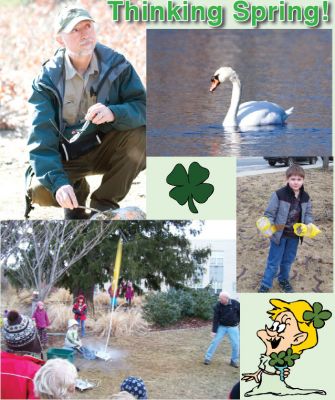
<point x="85" y="82"/>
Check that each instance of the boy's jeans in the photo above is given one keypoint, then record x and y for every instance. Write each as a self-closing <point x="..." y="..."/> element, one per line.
<point x="82" y="327"/>
<point x="234" y="336"/>
<point x="280" y="257"/>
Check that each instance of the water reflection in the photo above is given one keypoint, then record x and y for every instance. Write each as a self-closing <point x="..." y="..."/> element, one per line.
<point x="280" y="66"/>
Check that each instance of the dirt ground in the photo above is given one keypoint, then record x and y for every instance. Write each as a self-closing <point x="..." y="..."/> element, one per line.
<point x="14" y="162"/>
<point x="313" y="269"/>
<point x="169" y="362"/>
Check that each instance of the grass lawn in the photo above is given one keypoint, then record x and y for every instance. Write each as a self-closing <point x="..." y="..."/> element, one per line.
<point x="169" y="362"/>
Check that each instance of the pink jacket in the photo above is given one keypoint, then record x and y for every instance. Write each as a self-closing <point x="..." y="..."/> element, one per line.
<point x="41" y="318"/>
<point x="17" y="374"/>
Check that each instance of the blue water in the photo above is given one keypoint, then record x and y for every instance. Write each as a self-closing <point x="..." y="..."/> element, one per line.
<point x="287" y="67"/>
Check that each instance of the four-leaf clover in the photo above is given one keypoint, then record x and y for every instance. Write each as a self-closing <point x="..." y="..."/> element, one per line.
<point x="317" y="316"/>
<point x="286" y="358"/>
<point x="190" y="186"/>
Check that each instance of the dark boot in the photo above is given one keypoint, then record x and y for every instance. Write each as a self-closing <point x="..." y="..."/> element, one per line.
<point x="76" y="213"/>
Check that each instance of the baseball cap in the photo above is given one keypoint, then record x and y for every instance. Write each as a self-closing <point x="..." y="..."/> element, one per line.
<point x="70" y="17"/>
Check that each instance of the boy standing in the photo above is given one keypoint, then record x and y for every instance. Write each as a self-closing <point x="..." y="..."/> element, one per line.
<point x="287" y="206"/>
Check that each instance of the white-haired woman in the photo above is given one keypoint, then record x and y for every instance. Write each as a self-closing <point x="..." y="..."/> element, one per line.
<point x="55" y="380"/>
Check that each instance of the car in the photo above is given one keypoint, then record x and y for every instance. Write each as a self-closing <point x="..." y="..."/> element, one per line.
<point x="290" y="160"/>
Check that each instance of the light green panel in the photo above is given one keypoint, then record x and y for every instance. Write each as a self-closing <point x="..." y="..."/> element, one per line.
<point x="314" y="368"/>
<point x="220" y="205"/>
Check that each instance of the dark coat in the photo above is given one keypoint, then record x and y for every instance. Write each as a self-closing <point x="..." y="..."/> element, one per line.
<point x="226" y="315"/>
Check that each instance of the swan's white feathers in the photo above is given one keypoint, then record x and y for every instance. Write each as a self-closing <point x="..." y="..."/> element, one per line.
<point x="251" y="113"/>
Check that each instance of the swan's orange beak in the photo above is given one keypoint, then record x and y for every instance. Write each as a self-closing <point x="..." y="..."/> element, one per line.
<point x="214" y="85"/>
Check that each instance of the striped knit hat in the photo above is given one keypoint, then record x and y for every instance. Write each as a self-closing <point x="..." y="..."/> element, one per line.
<point x="20" y="333"/>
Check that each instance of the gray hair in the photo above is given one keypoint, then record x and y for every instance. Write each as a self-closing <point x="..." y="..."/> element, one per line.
<point x="224" y="294"/>
<point x="54" y="379"/>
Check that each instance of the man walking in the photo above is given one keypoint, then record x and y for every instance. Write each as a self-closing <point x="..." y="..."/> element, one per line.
<point x="226" y="320"/>
<point x="84" y="82"/>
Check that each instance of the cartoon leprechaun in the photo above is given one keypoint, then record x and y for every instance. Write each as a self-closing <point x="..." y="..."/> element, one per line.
<point x="294" y="330"/>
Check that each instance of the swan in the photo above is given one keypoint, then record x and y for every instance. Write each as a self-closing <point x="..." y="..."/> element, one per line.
<point x="251" y="113"/>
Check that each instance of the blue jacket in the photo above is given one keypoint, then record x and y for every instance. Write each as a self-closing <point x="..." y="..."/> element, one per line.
<point x="279" y="207"/>
<point x="118" y="87"/>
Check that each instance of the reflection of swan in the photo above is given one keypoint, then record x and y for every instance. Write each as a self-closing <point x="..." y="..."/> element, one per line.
<point x="252" y="113"/>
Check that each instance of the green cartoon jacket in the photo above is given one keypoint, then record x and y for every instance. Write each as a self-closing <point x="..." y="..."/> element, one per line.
<point x="118" y="87"/>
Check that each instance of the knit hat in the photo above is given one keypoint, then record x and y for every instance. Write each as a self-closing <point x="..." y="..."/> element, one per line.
<point x="20" y="333"/>
<point x="135" y="386"/>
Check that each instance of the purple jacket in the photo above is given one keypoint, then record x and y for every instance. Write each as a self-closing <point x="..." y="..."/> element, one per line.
<point x="41" y="318"/>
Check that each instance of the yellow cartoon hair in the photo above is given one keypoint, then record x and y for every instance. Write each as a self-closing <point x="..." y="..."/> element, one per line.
<point x="297" y="308"/>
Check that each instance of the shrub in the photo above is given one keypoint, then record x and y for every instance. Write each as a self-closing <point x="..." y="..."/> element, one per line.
<point x="161" y="309"/>
<point x="204" y="301"/>
<point x="185" y="301"/>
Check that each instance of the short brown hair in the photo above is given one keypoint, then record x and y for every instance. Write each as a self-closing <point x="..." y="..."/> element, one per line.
<point x="295" y="170"/>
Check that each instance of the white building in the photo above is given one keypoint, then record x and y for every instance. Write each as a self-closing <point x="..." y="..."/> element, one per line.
<point x="220" y="267"/>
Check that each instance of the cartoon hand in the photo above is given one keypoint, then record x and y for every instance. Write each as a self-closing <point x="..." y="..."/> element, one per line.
<point x="256" y="376"/>
<point x="286" y="372"/>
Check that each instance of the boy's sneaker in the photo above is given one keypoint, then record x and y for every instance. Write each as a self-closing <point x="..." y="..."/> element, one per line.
<point x="263" y="289"/>
<point x="207" y="362"/>
<point x="286" y="286"/>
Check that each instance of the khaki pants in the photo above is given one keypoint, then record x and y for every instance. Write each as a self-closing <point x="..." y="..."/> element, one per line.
<point x="119" y="159"/>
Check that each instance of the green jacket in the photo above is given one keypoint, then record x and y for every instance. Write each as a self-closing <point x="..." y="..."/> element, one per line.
<point x="118" y="87"/>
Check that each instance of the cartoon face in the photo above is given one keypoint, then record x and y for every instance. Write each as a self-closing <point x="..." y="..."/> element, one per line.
<point x="283" y="333"/>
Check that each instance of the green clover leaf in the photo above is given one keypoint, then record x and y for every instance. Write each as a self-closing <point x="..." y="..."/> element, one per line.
<point x="318" y="316"/>
<point x="291" y="357"/>
<point x="277" y="359"/>
<point x="190" y="186"/>
<point x="286" y="358"/>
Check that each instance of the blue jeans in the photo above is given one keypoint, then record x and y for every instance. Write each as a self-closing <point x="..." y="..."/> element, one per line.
<point x="82" y="327"/>
<point x="280" y="258"/>
<point x="234" y="337"/>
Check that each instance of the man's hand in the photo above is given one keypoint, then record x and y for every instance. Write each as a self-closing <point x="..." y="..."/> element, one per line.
<point x="99" y="114"/>
<point x="66" y="197"/>
<point x="213" y="334"/>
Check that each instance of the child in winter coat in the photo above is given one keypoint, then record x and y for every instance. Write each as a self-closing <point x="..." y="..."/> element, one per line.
<point x="72" y="339"/>
<point x="41" y="319"/>
<point x="80" y="310"/>
<point x="129" y="293"/>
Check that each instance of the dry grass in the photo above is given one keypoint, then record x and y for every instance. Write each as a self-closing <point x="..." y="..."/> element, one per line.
<point x="59" y="314"/>
<point x="124" y="323"/>
<point x="101" y="300"/>
<point x="313" y="269"/>
<point x="60" y="295"/>
<point x="169" y="362"/>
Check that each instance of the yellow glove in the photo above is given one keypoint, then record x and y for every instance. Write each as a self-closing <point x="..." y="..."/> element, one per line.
<point x="264" y="226"/>
<point x="309" y="230"/>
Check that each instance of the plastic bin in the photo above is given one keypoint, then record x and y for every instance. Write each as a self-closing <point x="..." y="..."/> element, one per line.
<point x="53" y="352"/>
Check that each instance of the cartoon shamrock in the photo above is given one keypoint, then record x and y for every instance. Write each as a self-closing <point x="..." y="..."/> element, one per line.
<point x="190" y="186"/>
<point x="317" y="316"/>
<point x="283" y="360"/>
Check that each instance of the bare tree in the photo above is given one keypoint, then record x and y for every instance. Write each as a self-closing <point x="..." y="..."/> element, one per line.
<point x="36" y="254"/>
